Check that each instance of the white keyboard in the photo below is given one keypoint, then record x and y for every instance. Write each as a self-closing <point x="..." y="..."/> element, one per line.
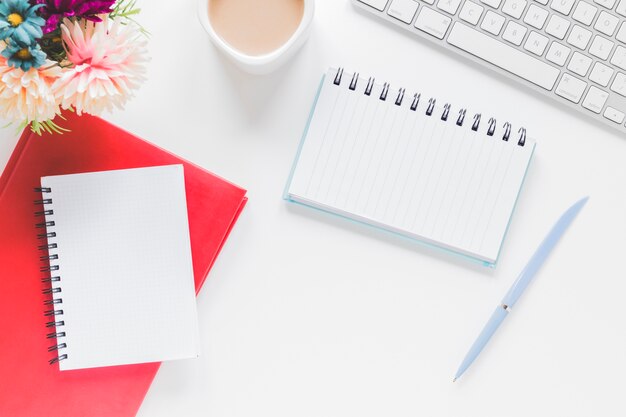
<point x="571" y="50"/>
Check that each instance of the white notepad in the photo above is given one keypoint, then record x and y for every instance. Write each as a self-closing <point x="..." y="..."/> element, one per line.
<point x="120" y="241"/>
<point x="396" y="160"/>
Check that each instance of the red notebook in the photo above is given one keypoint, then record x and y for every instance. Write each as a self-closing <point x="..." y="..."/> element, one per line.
<point x="29" y="386"/>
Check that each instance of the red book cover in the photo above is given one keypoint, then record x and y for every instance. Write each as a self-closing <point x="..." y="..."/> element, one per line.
<point x="29" y="385"/>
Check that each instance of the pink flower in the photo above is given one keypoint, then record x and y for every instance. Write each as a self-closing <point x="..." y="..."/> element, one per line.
<point x="108" y="63"/>
<point x="28" y="96"/>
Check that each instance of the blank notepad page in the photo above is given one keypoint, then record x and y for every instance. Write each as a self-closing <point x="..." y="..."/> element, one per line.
<point x="397" y="164"/>
<point x="125" y="269"/>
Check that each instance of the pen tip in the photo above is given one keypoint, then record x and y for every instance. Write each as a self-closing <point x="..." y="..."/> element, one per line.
<point x="454" y="380"/>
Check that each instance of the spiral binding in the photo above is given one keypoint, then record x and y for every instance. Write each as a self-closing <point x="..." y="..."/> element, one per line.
<point x="51" y="276"/>
<point x="430" y="108"/>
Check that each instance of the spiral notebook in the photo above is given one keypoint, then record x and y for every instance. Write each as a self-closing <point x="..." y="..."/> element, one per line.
<point x="119" y="259"/>
<point x="393" y="159"/>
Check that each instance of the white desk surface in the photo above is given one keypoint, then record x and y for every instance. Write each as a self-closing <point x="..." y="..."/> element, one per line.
<point x="307" y="315"/>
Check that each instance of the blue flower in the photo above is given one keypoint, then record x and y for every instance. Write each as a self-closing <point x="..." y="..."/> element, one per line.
<point x="24" y="56"/>
<point x="19" y="21"/>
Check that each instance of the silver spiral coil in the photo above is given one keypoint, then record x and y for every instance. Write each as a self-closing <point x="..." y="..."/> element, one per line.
<point x="52" y="278"/>
<point x="430" y="107"/>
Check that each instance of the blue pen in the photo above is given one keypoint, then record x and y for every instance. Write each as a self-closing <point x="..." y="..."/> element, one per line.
<point x="520" y="284"/>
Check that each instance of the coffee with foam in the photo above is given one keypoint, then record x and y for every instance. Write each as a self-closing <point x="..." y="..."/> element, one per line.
<point x="255" y="27"/>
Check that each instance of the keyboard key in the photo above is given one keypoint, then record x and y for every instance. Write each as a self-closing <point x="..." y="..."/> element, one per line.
<point x="575" y="49"/>
<point x="584" y="13"/>
<point x="614" y="115"/>
<point x="492" y="23"/>
<point x="606" y="3"/>
<point x="403" y="10"/>
<point x="601" y="74"/>
<point x="606" y="23"/>
<point x="536" y="16"/>
<point x="557" y="26"/>
<point x="514" y="8"/>
<point x="621" y="33"/>
<point x="449" y="6"/>
<point x="536" y="43"/>
<point x="619" y="84"/>
<point x="471" y="12"/>
<point x="571" y="88"/>
<point x="558" y="53"/>
<point x="504" y="56"/>
<point x="514" y="33"/>
<point x="579" y="64"/>
<point x="377" y="4"/>
<point x="562" y="6"/>
<point x="619" y="57"/>
<point x="579" y="37"/>
<point x="493" y="3"/>
<point x="595" y="99"/>
<point x="432" y="22"/>
<point x="601" y="47"/>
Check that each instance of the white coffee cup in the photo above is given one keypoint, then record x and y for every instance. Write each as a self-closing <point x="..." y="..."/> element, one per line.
<point x="260" y="64"/>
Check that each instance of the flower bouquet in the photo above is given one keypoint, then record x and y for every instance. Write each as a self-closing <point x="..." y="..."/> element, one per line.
<point x="76" y="55"/>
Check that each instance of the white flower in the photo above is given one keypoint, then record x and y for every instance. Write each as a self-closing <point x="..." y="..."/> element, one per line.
<point x="28" y="96"/>
<point x="109" y="62"/>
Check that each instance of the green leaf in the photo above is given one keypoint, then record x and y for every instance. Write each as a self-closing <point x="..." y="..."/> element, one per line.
<point x="48" y="126"/>
<point x="125" y="10"/>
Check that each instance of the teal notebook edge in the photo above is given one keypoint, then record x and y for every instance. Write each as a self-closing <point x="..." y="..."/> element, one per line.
<point x="404" y="237"/>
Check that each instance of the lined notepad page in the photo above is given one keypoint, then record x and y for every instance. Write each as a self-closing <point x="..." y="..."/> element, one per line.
<point x="392" y="167"/>
<point x="124" y="259"/>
